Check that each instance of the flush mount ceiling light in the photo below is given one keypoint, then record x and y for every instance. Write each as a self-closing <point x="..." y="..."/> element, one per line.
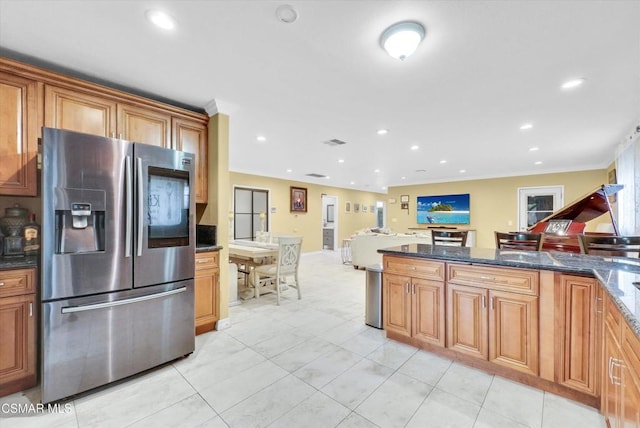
<point x="402" y="39"/>
<point x="287" y="14"/>
<point x="383" y="131"/>
<point x="161" y="19"/>
<point x="526" y="126"/>
<point x="261" y="138"/>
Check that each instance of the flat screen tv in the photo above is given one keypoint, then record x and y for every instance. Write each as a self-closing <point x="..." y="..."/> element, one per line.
<point x="443" y="209"/>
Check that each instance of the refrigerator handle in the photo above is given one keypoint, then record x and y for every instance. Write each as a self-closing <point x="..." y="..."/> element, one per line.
<point x="72" y="309"/>
<point x="129" y="202"/>
<point x="140" y="206"/>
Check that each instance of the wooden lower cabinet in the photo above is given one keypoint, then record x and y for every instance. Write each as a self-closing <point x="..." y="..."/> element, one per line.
<point x="413" y="299"/>
<point x="576" y="334"/>
<point x="620" y="402"/>
<point x="497" y="326"/>
<point x="206" y="291"/>
<point x="17" y="330"/>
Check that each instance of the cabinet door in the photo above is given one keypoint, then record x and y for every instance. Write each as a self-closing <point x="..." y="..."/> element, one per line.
<point x="611" y="398"/>
<point x="79" y="111"/>
<point x="17" y="343"/>
<point x="513" y="331"/>
<point x="577" y="367"/>
<point x="630" y="417"/>
<point x="397" y="304"/>
<point x="189" y="136"/>
<point x="145" y="126"/>
<point x="467" y="315"/>
<point x="428" y="311"/>
<point x="206" y="300"/>
<point x="19" y="137"/>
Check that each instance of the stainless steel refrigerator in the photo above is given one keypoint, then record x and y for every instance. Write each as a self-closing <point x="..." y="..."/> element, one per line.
<point x="118" y="243"/>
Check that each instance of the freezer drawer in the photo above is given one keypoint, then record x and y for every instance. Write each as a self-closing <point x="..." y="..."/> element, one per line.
<point x="91" y="341"/>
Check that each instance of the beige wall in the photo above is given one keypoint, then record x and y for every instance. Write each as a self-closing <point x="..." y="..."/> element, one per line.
<point x="309" y="224"/>
<point x="494" y="202"/>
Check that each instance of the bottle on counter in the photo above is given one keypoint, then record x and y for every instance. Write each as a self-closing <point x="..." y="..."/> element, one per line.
<point x="31" y="234"/>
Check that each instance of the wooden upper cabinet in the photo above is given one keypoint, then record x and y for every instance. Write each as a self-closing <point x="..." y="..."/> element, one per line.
<point x="191" y="136"/>
<point x="142" y="125"/>
<point x="19" y="136"/>
<point x="79" y="111"/>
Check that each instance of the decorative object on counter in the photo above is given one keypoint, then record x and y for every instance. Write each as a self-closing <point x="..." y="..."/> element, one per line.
<point x="298" y="199"/>
<point x="31" y="233"/>
<point x="12" y="224"/>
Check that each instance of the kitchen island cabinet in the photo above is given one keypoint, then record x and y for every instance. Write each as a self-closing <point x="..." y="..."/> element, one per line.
<point x="537" y="318"/>
<point x="17" y="330"/>
<point x="207" y="293"/>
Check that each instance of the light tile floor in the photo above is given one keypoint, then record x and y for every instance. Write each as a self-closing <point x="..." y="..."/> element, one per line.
<point x="309" y="363"/>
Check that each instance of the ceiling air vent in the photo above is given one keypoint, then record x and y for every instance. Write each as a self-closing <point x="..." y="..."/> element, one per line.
<point x="335" y="142"/>
<point x="313" y="174"/>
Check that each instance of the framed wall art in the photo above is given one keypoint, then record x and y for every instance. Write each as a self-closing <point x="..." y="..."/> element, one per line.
<point x="298" y="199"/>
<point x="347" y="207"/>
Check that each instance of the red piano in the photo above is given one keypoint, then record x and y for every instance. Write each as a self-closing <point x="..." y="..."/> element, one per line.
<point x="561" y="229"/>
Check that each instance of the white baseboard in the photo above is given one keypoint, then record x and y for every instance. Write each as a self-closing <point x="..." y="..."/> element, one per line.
<point x="223" y="324"/>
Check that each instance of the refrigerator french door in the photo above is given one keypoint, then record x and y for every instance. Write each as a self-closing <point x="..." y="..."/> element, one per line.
<point x="118" y="246"/>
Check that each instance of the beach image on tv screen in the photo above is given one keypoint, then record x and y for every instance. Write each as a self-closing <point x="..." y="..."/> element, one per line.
<point x="443" y="209"/>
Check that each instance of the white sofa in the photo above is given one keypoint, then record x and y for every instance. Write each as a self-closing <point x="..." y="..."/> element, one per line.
<point x="364" y="247"/>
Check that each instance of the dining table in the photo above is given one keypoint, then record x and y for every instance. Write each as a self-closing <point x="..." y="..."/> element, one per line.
<point x="247" y="255"/>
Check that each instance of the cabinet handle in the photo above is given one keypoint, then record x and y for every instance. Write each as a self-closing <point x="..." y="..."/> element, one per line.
<point x="1" y="284"/>
<point x="484" y="301"/>
<point x="113" y="135"/>
<point x="610" y="367"/>
<point x="413" y="288"/>
<point x="492" y="302"/>
<point x="30" y="310"/>
<point x="406" y="288"/>
<point x="490" y="278"/>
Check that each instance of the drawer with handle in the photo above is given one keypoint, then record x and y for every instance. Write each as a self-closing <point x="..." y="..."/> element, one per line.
<point x="207" y="260"/>
<point x="15" y="282"/>
<point x="417" y="268"/>
<point x="522" y="281"/>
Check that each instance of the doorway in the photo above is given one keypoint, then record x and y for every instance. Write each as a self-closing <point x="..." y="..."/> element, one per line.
<point x="536" y="203"/>
<point x="329" y="222"/>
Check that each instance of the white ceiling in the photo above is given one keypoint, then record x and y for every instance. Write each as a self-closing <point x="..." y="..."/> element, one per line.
<point x="484" y="69"/>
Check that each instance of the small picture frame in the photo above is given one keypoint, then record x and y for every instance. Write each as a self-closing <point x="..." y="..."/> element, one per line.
<point x="347" y="207"/>
<point x="298" y="199"/>
<point x="404" y="202"/>
<point x="364" y="208"/>
<point x="373" y="209"/>
<point x="356" y="207"/>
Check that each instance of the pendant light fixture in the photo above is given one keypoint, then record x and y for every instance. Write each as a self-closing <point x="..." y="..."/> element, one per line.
<point x="402" y="39"/>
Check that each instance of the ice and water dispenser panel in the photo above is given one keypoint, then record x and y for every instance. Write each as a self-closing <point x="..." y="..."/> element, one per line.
<point x="80" y="220"/>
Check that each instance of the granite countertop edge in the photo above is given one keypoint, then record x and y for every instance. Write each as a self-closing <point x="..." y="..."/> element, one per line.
<point x="604" y="269"/>
<point x="208" y="248"/>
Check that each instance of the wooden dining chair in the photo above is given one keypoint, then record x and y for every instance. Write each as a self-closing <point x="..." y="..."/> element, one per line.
<point x="624" y="246"/>
<point x="282" y="274"/>
<point x="446" y="237"/>
<point x="519" y="241"/>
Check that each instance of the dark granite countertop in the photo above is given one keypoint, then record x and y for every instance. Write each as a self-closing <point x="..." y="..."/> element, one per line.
<point x="617" y="274"/>
<point x="207" y="248"/>
<point x="18" y="262"/>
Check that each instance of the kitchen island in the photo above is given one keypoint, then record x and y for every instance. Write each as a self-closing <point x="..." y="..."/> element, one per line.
<point x="565" y="323"/>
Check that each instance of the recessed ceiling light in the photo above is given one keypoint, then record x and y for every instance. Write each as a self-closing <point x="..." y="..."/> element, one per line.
<point x="538" y="163"/>
<point x="462" y="171"/>
<point x="352" y="183"/>
<point x="403" y="178"/>
<point x="340" y="160"/>
<point x="376" y="170"/>
<point x="289" y="170"/>
<point x="327" y="177"/>
<point x="161" y="19"/>
<point x="384" y="187"/>
<point x="415" y="147"/>
<point x="443" y="161"/>
<point x="574" y="83"/>
<point x="261" y="138"/>
<point x="526" y="126"/>
<point x="383" y="131"/>
<point x="534" y="149"/>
